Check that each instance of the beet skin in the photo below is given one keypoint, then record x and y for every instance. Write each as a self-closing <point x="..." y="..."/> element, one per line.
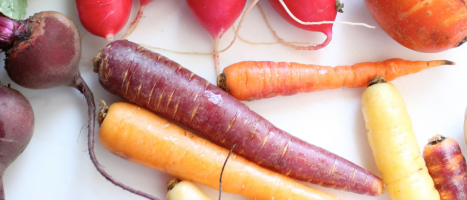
<point x="16" y="128"/>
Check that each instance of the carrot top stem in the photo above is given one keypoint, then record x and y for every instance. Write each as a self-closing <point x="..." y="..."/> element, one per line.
<point x="171" y="184"/>
<point x="221" y="81"/>
<point x="102" y="112"/>
<point x="376" y="80"/>
<point x="436" y="139"/>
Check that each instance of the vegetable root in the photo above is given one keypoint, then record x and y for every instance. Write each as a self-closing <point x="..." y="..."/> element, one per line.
<point x="423" y="26"/>
<point x="251" y="80"/>
<point x="44" y="52"/>
<point x="16" y="128"/>
<point x="140" y="136"/>
<point x="184" y="190"/>
<point x="447" y="167"/>
<point x="161" y="85"/>
<point x="394" y="145"/>
<point x="104" y="18"/>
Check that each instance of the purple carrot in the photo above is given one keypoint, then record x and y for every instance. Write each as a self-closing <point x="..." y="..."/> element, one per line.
<point x="165" y="87"/>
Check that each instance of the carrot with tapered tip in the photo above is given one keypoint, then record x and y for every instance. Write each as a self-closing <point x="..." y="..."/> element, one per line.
<point x="251" y="80"/>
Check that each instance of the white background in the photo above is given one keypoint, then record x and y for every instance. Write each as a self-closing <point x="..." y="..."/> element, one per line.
<point x="56" y="163"/>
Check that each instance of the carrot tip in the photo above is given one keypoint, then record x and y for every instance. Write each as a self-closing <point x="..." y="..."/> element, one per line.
<point x="447" y="62"/>
<point x="436" y="139"/>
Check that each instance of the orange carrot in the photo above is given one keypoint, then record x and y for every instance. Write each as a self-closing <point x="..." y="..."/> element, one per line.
<point x="140" y="136"/>
<point x="251" y="80"/>
<point x="447" y="167"/>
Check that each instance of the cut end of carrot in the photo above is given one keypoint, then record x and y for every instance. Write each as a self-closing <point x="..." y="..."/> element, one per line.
<point x="221" y="81"/>
<point x="436" y="139"/>
<point x="172" y="183"/>
<point x="102" y="112"/>
<point x="376" y="80"/>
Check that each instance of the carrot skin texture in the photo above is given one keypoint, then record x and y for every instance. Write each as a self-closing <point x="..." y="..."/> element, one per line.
<point x="140" y="136"/>
<point x="448" y="168"/>
<point x="251" y="80"/>
<point x="423" y="26"/>
<point x="152" y="81"/>
<point x="394" y="145"/>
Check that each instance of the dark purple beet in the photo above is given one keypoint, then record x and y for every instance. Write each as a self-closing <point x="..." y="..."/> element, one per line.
<point x="51" y="60"/>
<point x="16" y="128"/>
<point x="43" y="52"/>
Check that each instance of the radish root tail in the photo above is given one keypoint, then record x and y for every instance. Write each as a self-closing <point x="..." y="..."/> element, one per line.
<point x="134" y="24"/>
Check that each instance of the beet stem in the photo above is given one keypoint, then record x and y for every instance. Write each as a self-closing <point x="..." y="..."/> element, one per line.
<point x="79" y="84"/>
<point x="10" y="29"/>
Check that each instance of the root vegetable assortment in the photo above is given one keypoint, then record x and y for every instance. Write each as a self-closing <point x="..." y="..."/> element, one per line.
<point x="447" y="167"/>
<point x="163" y="86"/>
<point x="16" y="128"/>
<point x="38" y="57"/>
<point x="394" y="145"/>
<point x="140" y="136"/>
<point x="250" y="80"/>
<point x="424" y="26"/>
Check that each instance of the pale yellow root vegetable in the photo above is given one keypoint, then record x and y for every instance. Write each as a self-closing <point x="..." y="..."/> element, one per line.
<point x="184" y="190"/>
<point x="393" y="142"/>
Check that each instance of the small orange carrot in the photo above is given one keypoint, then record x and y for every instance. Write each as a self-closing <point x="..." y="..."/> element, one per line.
<point x="252" y="80"/>
<point x="140" y="136"/>
<point x="447" y="167"/>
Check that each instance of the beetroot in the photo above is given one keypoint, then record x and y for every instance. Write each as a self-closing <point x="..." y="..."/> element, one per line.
<point x="44" y="51"/>
<point x="16" y="128"/>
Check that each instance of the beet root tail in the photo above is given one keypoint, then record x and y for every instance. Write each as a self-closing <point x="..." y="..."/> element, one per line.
<point x="79" y="84"/>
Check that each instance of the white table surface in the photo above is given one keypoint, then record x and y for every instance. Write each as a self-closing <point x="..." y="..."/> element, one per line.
<point x="56" y="164"/>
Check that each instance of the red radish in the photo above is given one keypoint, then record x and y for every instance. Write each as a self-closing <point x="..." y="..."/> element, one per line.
<point x="310" y="11"/>
<point x="216" y="17"/>
<point x="43" y="52"/>
<point x="16" y="128"/>
<point x="104" y="18"/>
<point x="143" y="4"/>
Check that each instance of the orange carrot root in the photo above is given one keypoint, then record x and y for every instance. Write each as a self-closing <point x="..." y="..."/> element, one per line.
<point x="250" y="80"/>
<point x="140" y="136"/>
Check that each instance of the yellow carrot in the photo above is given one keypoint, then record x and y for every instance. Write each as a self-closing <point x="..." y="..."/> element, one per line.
<point x="184" y="190"/>
<point x="140" y="136"/>
<point x="394" y="145"/>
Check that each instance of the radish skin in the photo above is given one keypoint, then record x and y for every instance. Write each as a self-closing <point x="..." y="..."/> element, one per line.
<point x="309" y="11"/>
<point x="104" y="18"/>
<point x="163" y="86"/>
